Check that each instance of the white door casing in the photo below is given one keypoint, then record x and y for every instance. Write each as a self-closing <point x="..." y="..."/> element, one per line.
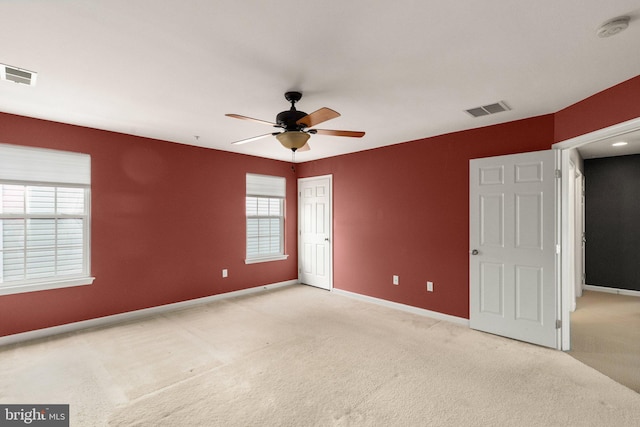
<point x="618" y="130"/>
<point x="315" y="250"/>
<point x="513" y="290"/>
<point x="579" y="233"/>
<point x="570" y="224"/>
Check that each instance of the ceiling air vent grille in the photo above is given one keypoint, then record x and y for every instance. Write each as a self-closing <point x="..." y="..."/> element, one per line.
<point x="485" y="110"/>
<point x="18" y="75"/>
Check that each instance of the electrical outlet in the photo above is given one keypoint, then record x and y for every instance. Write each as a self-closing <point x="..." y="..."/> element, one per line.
<point x="396" y="280"/>
<point x="225" y="272"/>
<point x="429" y="286"/>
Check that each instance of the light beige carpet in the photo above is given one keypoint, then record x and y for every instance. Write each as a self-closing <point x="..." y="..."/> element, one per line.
<point x="605" y="334"/>
<point x="300" y="356"/>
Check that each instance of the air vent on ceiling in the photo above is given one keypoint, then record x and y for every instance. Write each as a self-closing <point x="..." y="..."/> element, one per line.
<point x="485" y="110"/>
<point x="18" y="75"/>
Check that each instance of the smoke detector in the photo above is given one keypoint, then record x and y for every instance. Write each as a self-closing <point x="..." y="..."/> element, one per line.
<point x="613" y="27"/>
<point x="18" y="75"/>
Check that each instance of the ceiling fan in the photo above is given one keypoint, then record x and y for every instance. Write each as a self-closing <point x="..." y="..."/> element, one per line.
<point x="295" y="125"/>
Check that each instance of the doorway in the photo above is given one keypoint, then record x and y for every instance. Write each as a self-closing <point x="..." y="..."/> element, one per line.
<point x="569" y="277"/>
<point x="572" y="186"/>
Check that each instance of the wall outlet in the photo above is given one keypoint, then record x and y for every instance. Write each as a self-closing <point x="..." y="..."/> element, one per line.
<point x="396" y="280"/>
<point x="225" y="272"/>
<point x="429" y="286"/>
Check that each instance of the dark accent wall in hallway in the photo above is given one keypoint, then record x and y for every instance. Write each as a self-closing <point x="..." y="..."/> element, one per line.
<point x="612" y="222"/>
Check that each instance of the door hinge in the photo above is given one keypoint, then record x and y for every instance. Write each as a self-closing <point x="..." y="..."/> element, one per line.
<point x="558" y="249"/>
<point x="558" y="173"/>
<point x="558" y="324"/>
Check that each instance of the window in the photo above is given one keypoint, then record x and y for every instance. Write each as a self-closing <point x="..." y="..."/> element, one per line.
<point x="265" y="218"/>
<point x="44" y="219"/>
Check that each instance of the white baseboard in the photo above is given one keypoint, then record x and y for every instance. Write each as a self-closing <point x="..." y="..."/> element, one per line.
<point x="611" y="290"/>
<point x="408" y="308"/>
<point x="131" y="315"/>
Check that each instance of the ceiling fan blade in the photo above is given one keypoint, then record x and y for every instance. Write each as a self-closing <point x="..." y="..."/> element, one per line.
<point x="317" y="117"/>
<point x="350" y="133"/>
<point x="305" y="147"/>
<point x="244" y="141"/>
<point x="238" y="116"/>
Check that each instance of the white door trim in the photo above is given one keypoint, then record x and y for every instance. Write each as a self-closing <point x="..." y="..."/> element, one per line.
<point x="299" y="230"/>
<point x="609" y="132"/>
<point x="600" y="134"/>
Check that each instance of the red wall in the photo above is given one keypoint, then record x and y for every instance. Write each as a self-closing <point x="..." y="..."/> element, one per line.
<point x="609" y="107"/>
<point x="166" y="219"/>
<point x="404" y="209"/>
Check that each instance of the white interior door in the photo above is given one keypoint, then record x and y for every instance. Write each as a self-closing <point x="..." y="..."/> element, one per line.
<point x="314" y="237"/>
<point x="512" y="247"/>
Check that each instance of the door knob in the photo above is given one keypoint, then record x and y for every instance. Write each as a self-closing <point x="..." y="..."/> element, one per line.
<point x="326" y="239"/>
<point x="474" y="252"/>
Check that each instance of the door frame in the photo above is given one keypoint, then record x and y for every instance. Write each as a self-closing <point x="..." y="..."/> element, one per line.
<point x="566" y="262"/>
<point x="299" y="230"/>
<point x="579" y="230"/>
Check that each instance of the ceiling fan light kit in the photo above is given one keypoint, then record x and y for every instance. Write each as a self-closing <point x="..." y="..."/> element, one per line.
<point x="293" y="140"/>
<point x="295" y="125"/>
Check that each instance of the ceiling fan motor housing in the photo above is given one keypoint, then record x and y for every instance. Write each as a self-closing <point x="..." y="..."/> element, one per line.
<point x="287" y="119"/>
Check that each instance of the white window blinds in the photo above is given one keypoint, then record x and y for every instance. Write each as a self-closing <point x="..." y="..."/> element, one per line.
<point x="266" y="185"/>
<point x="44" y="219"/>
<point x="29" y="164"/>
<point x="265" y="218"/>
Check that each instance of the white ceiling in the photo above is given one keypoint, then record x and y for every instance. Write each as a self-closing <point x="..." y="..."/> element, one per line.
<point x="399" y="70"/>
<point x="605" y="147"/>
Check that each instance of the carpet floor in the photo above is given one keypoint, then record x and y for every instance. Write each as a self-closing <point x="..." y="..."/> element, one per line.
<point x="300" y="356"/>
<point x="605" y="334"/>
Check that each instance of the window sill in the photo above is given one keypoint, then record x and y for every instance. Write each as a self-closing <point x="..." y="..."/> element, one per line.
<point x="266" y="259"/>
<point x="42" y="286"/>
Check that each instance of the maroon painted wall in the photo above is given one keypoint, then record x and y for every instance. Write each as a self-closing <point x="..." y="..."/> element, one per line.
<point x="166" y="219"/>
<point x="606" y="108"/>
<point x="401" y="209"/>
<point x="404" y="209"/>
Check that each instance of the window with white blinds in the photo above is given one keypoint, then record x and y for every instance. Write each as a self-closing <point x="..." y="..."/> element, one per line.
<point x="265" y="218"/>
<point x="44" y="219"/>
